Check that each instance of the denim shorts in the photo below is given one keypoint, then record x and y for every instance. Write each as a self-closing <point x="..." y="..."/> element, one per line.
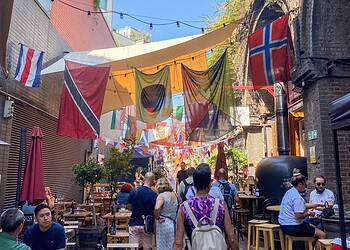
<point x="302" y="230"/>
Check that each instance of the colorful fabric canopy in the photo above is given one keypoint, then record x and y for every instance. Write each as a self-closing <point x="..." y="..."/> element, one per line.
<point x="153" y="95"/>
<point x="149" y="57"/>
<point x="208" y="100"/>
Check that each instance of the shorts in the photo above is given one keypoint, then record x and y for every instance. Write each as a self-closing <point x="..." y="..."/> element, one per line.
<point x="302" y="230"/>
<point x="137" y="235"/>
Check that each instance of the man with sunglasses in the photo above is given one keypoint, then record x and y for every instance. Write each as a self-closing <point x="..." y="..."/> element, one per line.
<point x="321" y="195"/>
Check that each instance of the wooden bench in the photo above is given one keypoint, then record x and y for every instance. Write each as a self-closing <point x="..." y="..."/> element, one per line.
<point x="123" y="245"/>
<point x="118" y="237"/>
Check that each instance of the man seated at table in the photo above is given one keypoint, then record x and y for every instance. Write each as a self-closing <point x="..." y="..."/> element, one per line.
<point x="321" y="195"/>
<point x="293" y="211"/>
<point x="11" y="222"/>
<point x="142" y="202"/>
<point x="45" y="234"/>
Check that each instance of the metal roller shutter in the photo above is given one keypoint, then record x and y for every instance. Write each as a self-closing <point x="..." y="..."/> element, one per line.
<point x="59" y="154"/>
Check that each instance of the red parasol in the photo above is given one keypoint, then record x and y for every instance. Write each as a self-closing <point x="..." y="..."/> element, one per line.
<point x="33" y="189"/>
<point x="221" y="159"/>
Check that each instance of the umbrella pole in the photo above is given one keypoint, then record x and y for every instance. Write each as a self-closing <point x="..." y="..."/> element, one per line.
<point x="22" y="153"/>
<point x="339" y="191"/>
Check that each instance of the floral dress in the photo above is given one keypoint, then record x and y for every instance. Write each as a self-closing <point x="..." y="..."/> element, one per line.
<point x="165" y="231"/>
<point x="202" y="207"/>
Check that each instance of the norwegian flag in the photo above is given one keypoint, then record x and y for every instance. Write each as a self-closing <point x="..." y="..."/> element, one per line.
<point x="270" y="53"/>
<point x="29" y="66"/>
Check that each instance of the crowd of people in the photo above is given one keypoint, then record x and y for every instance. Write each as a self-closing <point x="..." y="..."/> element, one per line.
<point x="197" y="214"/>
<point x="177" y="214"/>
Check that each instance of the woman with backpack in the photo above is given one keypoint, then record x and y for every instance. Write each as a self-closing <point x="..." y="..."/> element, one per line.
<point x="165" y="214"/>
<point x="203" y="218"/>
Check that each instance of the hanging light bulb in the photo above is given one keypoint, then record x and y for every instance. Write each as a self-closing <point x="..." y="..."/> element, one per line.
<point x="151" y="26"/>
<point x="178" y="24"/>
<point x="202" y="30"/>
<point x="89" y="13"/>
<point x="121" y="15"/>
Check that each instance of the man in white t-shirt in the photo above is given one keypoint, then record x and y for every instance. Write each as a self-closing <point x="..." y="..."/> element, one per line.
<point x="293" y="211"/>
<point x="320" y="195"/>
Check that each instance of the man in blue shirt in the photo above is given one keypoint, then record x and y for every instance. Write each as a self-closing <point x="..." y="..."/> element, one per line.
<point x="45" y="234"/>
<point x="228" y="190"/>
<point x="141" y="203"/>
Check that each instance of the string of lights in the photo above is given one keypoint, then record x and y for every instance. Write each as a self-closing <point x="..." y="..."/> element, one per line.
<point x="137" y="17"/>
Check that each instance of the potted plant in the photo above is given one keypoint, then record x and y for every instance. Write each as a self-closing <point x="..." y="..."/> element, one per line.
<point x="237" y="162"/>
<point x="118" y="164"/>
<point x="88" y="174"/>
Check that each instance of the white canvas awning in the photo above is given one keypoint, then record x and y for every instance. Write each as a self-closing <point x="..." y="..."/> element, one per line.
<point x="148" y="57"/>
<point x="145" y="55"/>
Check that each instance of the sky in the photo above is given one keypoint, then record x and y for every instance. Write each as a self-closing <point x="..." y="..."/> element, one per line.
<point x="186" y="10"/>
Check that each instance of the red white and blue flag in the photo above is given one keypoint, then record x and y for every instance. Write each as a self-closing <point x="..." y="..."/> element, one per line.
<point x="270" y="53"/>
<point x="29" y="66"/>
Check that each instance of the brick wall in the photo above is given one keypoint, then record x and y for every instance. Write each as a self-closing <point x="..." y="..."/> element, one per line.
<point x="326" y="35"/>
<point x="30" y="25"/>
<point x="80" y="31"/>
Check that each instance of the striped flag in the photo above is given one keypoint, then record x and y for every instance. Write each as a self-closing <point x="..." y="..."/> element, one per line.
<point x="29" y="66"/>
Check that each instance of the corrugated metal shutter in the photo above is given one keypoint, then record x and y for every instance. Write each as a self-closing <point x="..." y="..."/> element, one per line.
<point x="59" y="154"/>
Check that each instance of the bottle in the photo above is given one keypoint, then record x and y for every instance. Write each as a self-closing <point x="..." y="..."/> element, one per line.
<point x="113" y="228"/>
<point x="72" y="208"/>
<point x="257" y="192"/>
<point x="61" y="219"/>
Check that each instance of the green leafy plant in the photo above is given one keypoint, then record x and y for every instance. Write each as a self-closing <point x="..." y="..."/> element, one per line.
<point x="96" y="4"/>
<point x="88" y="174"/>
<point x="238" y="161"/>
<point x="118" y="165"/>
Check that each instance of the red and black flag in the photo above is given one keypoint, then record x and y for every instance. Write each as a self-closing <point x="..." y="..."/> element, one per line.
<point x="153" y="95"/>
<point x="81" y="100"/>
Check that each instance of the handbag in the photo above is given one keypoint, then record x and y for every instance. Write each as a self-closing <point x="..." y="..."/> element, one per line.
<point x="149" y="225"/>
<point x="327" y="212"/>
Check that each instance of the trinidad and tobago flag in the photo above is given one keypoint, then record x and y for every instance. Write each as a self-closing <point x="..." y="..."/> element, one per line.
<point x="81" y="100"/>
<point x="270" y="53"/>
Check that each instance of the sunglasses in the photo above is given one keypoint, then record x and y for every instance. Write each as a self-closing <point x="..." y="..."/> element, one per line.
<point x="320" y="184"/>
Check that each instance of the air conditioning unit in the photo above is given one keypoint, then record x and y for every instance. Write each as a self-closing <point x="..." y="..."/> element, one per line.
<point x="8" y="109"/>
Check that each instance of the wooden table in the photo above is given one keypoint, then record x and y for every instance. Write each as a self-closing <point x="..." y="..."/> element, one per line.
<point x="118" y="215"/>
<point x="253" y="200"/>
<point x="77" y="215"/>
<point x="277" y="208"/>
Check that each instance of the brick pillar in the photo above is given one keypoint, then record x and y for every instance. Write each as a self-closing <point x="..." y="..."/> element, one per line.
<point x="324" y="38"/>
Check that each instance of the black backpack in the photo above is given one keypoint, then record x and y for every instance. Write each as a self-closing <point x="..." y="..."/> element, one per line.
<point x="226" y="193"/>
<point x="187" y="187"/>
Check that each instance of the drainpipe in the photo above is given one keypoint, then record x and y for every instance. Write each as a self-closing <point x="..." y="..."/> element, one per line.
<point x="281" y="111"/>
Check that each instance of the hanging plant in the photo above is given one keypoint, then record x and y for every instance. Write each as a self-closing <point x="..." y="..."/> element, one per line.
<point x="96" y="4"/>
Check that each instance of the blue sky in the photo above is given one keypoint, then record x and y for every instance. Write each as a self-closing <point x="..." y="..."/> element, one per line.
<point x="191" y="10"/>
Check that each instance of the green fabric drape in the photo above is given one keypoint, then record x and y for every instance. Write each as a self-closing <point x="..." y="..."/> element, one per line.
<point x="209" y="101"/>
<point x="153" y="95"/>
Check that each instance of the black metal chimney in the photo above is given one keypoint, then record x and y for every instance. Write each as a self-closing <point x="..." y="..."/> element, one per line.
<point x="281" y="111"/>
